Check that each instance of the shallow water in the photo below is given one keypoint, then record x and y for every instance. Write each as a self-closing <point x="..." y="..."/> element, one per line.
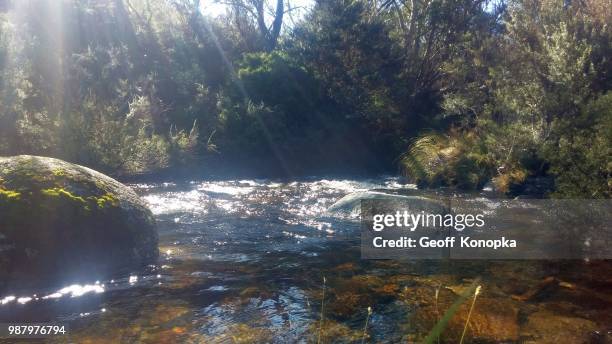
<point x="245" y="261"/>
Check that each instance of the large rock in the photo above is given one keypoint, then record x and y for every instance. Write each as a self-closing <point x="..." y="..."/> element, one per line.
<point x="60" y="222"/>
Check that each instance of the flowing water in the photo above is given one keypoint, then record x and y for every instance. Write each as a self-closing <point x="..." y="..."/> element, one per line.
<point x="264" y="261"/>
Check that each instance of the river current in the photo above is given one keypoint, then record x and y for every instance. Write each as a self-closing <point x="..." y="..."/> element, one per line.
<point x="245" y="261"/>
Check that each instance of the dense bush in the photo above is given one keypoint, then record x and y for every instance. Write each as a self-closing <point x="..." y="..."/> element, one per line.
<point x="457" y="92"/>
<point x="580" y="159"/>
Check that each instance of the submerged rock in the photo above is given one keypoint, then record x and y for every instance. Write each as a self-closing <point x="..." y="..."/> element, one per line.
<point x="60" y="222"/>
<point x="494" y="319"/>
<point x="548" y="327"/>
<point x="352" y="202"/>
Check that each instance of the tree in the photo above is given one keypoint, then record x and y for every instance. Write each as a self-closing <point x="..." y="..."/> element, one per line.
<point x="252" y="15"/>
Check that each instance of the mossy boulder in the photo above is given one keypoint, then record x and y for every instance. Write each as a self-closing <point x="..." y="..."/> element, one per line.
<point x="61" y="221"/>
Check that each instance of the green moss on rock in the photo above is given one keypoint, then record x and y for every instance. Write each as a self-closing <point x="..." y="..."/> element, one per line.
<point x="56" y="214"/>
<point x="59" y="172"/>
<point x="59" y="192"/>
<point x="9" y="194"/>
<point x="107" y="200"/>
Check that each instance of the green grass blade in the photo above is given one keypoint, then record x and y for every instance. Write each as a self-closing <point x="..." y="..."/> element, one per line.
<point x="437" y="330"/>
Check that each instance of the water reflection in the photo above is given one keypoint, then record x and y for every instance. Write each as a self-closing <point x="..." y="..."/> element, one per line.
<point x="7" y="299"/>
<point x="75" y="290"/>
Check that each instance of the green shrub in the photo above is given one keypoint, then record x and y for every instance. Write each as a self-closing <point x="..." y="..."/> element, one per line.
<point x="581" y="156"/>
<point x="457" y="160"/>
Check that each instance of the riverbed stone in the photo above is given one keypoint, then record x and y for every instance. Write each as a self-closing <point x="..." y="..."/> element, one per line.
<point x="493" y="319"/>
<point x="61" y="221"/>
<point x="548" y="327"/>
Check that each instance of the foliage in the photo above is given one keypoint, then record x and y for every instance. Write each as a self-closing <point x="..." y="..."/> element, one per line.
<point x="455" y="92"/>
<point x="268" y="110"/>
<point x="350" y="53"/>
<point x="527" y="93"/>
<point x="581" y="158"/>
<point x="457" y="160"/>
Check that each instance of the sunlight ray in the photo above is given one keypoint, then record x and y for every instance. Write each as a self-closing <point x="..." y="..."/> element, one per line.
<point x="236" y="80"/>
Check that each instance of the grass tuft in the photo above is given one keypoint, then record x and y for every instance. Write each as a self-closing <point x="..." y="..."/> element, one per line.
<point x="437" y="330"/>
<point x="365" y="327"/>
<point x="467" y="321"/>
<point x="322" y="309"/>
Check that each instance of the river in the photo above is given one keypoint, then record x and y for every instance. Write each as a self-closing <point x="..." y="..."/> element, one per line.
<point x="248" y="261"/>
